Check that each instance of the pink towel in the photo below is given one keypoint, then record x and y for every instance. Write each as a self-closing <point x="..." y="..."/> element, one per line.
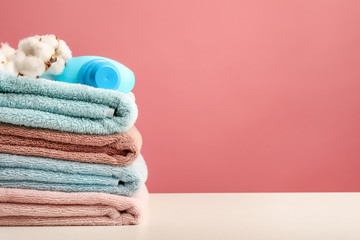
<point x="22" y="207"/>
<point x="118" y="149"/>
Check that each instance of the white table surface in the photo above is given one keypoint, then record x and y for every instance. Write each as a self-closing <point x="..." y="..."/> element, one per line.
<point x="267" y="216"/>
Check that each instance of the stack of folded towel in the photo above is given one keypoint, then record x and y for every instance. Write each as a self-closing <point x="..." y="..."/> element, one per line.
<point x="69" y="155"/>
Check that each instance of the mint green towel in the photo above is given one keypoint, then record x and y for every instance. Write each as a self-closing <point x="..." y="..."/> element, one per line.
<point x="43" y="103"/>
<point x="18" y="171"/>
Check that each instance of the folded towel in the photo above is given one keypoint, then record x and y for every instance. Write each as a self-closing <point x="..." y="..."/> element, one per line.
<point x="17" y="171"/>
<point x="43" y="103"/>
<point x="118" y="149"/>
<point x="24" y="207"/>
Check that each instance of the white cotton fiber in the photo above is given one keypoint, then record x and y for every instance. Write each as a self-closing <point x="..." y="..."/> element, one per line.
<point x="27" y="65"/>
<point x="7" y="51"/>
<point x="63" y="54"/>
<point x="9" y="67"/>
<point x="6" y="57"/>
<point x="57" y="67"/>
<point x="2" y="62"/>
<point x="32" y="46"/>
<point x="63" y="50"/>
<point x="38" y="54"/>
<point x="50" y="40"/>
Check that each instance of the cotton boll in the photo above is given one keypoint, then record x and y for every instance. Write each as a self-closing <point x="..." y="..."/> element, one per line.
<point x="33" y="46"/>
<point x="30" y="66"/>
<point x="63" y="50"/>
<point x="6" y="56"/>
<point x="57" y="67"/>
<point x="9" y="66"/>
<point x="27" y="45"/>
<point x="7" y="51"/>
<point x="2" y="58"/>
<point x="5" y="64"/>
<point x="38" y="54"/>
<point x="51" y="40"/>
<point x="33" y="56"/>
<point x="44" y="51"/>
<point x="63" y="54"/>
<point x="2" y="62"/>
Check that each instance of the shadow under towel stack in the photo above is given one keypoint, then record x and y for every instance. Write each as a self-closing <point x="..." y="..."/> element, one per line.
<point x="69" y="155"/>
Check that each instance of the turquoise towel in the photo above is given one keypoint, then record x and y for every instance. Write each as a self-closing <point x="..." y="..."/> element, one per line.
<point x="64" y="106"/>
<point x="17" y="171"/>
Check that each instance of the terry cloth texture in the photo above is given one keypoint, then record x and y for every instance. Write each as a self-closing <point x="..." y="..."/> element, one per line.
<point x="68" y="107"/>
<point x="17" y="171"/>
<point x="117" y="149"/>
<point x="24" y="207"/>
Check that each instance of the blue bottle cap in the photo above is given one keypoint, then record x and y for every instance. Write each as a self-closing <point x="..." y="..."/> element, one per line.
<point x="100" y="73"/>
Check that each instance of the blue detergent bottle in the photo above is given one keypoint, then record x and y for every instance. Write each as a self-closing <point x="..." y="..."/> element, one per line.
<point x="99" y="72"/>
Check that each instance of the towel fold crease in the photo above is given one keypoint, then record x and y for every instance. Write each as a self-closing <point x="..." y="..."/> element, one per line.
<point x="116" y="149"/>
<point x="27" y="172"/>
<point x="25" y="207"/>
<point x="77" y="108"/>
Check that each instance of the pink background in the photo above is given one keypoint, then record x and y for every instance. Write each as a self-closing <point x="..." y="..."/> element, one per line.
<point x="233" y="95"/>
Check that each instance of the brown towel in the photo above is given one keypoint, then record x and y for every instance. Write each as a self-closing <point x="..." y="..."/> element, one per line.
<point x="118" y="149"/>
